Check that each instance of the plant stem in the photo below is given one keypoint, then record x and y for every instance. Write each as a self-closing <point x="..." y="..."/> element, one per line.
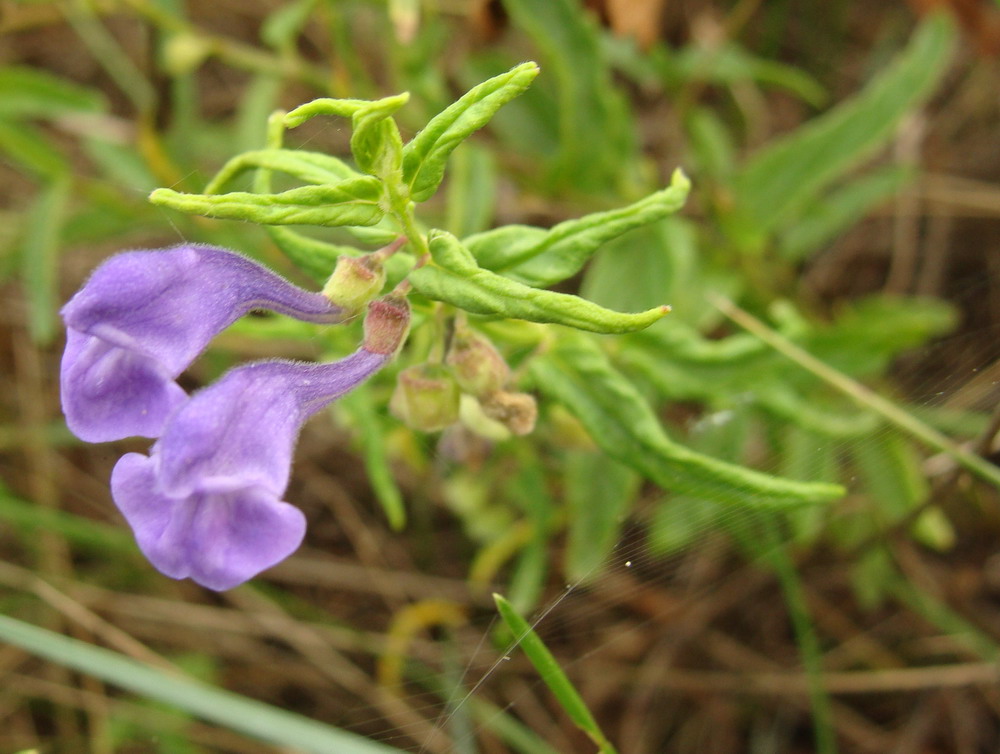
<point x="858" y="392"/>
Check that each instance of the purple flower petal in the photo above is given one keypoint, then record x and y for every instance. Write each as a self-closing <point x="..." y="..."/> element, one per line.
<point x="144" y="316"/>
<point x="110" y="392"/>
<point x="219" y="538"/>
<point x="206" y="503"/>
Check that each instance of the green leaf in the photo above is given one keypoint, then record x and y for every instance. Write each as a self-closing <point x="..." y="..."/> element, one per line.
<point x="577" y="374"/>
<point x="253" y="718"/>
<point x="426" y="155"/>
<point x="350" y="202"/>
<point x="258" y="101"/>
<point x="711" y="144"/>
<point x="40" y="256"/>
<point x="30" y="519"/>
<point x="831" y="215"/>
<point x="472" y="183"/>
<point x="596" y="134"/>
<point x="121" y="165"/>
<point x="281" y="27"/>
<point x="731" y="65"/>
<point x="311" y="167"/>
<point x="26" y="146"/>
<point x="455" y="279"/>
<point x="890" y="468"/>
<point x="376" y="144"/>
<point x="679" y="521"/>
<point x="359" y="405"/>
<point x="541" y="258"/>
<point x="341" y="108"/>
<point x="553" y="675"/>
<point x="809" y="413"/>
<point x="782" y="178"/>
<point x="314" y="257"/>
<point x="598" y="493"/>
<point x="651" y="265"/>
<point x="29" y="92"/>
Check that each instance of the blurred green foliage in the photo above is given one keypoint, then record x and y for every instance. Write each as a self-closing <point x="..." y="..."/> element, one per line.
<point x="602" y="456"/>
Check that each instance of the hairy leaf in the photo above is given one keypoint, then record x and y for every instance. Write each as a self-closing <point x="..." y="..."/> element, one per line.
<point x="311" y="167"/>
<point x="540" y="258"/>
<point x="351" y="202"/>
<point x="578" y="374"/>
<point x="455" y="278"/>
<point x="425" y="156"/>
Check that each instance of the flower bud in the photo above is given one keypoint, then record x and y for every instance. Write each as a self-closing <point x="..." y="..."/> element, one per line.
<point x="355" y="281"/>
<point x="478" y="367"/>
<point x="426" y="398"/>
<point x="386" y="324"/>
<point x="516" y="411"/>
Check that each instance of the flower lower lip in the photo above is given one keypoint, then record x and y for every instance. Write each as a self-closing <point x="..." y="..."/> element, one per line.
<point x="226" y="485"/>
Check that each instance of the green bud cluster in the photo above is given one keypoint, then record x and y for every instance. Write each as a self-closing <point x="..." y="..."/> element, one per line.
<point x="426" y="398"/>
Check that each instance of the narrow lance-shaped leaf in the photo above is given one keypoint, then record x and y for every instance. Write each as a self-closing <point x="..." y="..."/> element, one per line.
<point x="376" y="144"/>
<point x="237" y="712"/>
<point x="786" y="175"/>
<point x="831" y="214"/>
<point x="553" y="675"/>
<point x="578" y="374"/>
<point x="40" y="255"/>
<point x="425" y="156"/>
<point x="598" y="492"/>
<point x="27" y="147"/>
<point x="29" y="92"/>
<point x="540" y="258"/>
<point x="455" y="278"/>
<point x="311" y="167"/>
<point x="595" y="126"/>
<point x="341" y="108"/>
<point x="351" y="202"/>
<point x="359" y="404"/>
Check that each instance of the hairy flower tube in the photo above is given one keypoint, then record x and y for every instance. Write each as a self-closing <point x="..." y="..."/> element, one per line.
<point x="206" y="503"/>
<point x="144" y="316"/>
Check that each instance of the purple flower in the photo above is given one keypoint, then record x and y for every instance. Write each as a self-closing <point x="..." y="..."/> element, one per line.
<point x="206" y="503"/>
<point x="144" y="316"/>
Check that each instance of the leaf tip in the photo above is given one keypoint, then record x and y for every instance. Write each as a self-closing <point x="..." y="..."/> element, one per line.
<point x="680" y="180"/>
<point x="294" y="118"/>
<point x="161" y="196"/>
<point x="529" y="67"/>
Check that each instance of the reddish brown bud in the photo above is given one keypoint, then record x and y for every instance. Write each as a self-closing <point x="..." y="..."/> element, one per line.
<point x="386" y="324"/>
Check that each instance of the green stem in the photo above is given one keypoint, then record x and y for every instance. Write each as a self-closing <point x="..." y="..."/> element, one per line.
<point x="805" y="635"/>
<point x="402" y="209"/>
<point x="862" y="395"/>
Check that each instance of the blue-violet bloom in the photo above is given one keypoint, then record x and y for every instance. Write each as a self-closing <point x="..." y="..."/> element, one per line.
<point x="144" y="316"/>
<point x="207" y="501"/>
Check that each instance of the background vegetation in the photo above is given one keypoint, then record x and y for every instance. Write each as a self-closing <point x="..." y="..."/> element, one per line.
<point x="844" y="210"/>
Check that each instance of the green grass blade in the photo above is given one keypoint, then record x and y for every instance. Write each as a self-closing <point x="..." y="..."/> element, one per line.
<point x="39" y="256"/>
<point x="215" y="705"/>
<point x="552" y="674"/>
